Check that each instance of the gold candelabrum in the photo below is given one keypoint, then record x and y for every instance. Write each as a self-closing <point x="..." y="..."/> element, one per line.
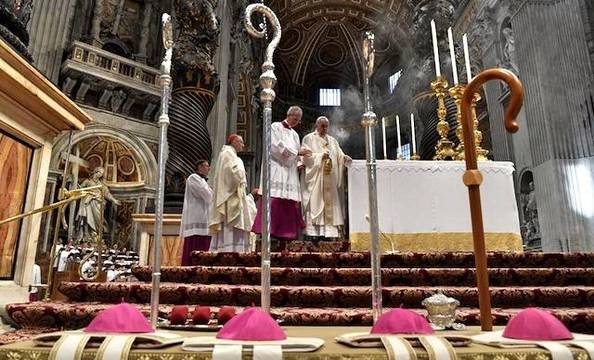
<point x="444" y="150"/>
<point x="457" y="92"/>
<point x="415" y="156"/>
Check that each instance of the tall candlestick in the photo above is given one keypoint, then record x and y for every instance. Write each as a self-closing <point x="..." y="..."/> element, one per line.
<point x="435" y="50"/>
<point x="466" y="58"/>
<point x="412" y="128"/>
<point x="453" y="56"/>
<point x="399" y="152"/>
<point x="384" y="137"/>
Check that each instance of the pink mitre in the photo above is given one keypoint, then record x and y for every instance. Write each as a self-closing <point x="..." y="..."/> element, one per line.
<point x="401" y="321"/>
<point x="252" y="324"/>
<point x="536" y="324"/>
<point x="120" y="318"/>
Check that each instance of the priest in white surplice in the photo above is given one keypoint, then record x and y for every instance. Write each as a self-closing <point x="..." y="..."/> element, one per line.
<point x="195" y="214"/>
<point x="286" y="219"/>
<point x="322" y="181"/>
<point x="233" y="211"/>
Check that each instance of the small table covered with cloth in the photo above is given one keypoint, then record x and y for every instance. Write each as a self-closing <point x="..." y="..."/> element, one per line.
<point x="423" y="206"/>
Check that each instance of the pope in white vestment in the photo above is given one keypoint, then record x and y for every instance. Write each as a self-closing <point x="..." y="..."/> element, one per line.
<point x="233" y="210"/>
<point x="322" y="182"/>
<point x="195" y="214"/>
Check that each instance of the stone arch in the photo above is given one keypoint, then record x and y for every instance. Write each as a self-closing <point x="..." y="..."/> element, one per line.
<point x="140" y="150"/>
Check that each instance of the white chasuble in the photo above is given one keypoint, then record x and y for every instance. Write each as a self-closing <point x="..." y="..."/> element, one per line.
<point x="231" y="206"/>
<point x="322" y="183"/>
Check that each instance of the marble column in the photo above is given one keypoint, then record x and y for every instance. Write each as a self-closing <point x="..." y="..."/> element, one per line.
<point x="560" y="115"/>
<point x="145" y="32"/>
<point x="50" y="27"/>
<point x="218" y="120"/>
<point x="96" y="24"/>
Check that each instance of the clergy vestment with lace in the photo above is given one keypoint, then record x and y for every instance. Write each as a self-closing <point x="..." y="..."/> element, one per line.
<point x="195" y="215"/>
<point x="322" y="183"/>
<point x="233" y="212"/>
<point x="285" y="190"/>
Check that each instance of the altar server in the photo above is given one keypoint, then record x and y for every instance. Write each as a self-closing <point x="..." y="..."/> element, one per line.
<point x="195" y="214"/>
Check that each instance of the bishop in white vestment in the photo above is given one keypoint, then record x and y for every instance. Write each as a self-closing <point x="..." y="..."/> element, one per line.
<point x="233" y="211"/>
<point x="286" y="219"/>
<point x="322" y="182"/>
<point x="195" y="214"/>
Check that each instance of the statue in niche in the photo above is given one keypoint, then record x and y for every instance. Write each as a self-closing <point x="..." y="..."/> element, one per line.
<point x="89" y="216"/>
<point x="531" y="224"/>
<point x="509" y="49"/>
<point x="117" y="99"/>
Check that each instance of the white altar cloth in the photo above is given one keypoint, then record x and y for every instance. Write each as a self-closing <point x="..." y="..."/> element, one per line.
<point x="423" y="206"/>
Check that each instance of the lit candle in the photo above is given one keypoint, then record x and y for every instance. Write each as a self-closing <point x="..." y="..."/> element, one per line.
<point x="398" y="134"/>
<point x="453" y="56"/>
<point x="412" y="128"/>
<point x="466" y="57"/>
<point x="384" y="137"/>
<point x="435" y="51"/>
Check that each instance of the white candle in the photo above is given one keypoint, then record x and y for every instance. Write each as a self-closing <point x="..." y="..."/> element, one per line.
<point x="453" y="56"/>
<point x="384" y="137"/>
<point x="412" y="128"/>
<point x="466" y="58"/>
<point x="435" y="50"/>
<point x="398" y="134"/>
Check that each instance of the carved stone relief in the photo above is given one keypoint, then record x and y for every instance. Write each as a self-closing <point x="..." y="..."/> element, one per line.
<point x="196" y="42"/>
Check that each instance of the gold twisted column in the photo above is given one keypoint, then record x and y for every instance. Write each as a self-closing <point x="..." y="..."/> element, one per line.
<point x="444" y="150"/>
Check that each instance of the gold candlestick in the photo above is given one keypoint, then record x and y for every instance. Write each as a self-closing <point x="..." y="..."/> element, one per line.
<point x="415" y="156"/>
<point x="457" y="92"/>
<point x="445" y="148"/>
<point x="481" y="153"/>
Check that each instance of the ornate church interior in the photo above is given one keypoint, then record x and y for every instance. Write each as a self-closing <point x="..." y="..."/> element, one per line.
<point x="172" y="171"/>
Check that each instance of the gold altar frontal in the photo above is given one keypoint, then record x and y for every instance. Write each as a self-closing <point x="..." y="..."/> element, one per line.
<point x="435" y="242"/>
<point x="331" y="349"/>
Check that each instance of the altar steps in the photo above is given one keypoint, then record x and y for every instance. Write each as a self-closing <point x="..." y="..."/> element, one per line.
<point x="59" y="315"/>
<point x="332" y="288"/>
<point x="291" y="276"/>
<point x="397" y="260"/>
<point x="323" y="296"/>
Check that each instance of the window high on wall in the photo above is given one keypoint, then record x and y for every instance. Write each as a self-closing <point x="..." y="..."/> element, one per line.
<point x="329" y="97"/>
<point x="393" y="81"/>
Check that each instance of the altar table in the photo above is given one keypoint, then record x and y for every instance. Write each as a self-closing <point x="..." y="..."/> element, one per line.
<point x="330" y="350"/>
<point x="423" y="206"/>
